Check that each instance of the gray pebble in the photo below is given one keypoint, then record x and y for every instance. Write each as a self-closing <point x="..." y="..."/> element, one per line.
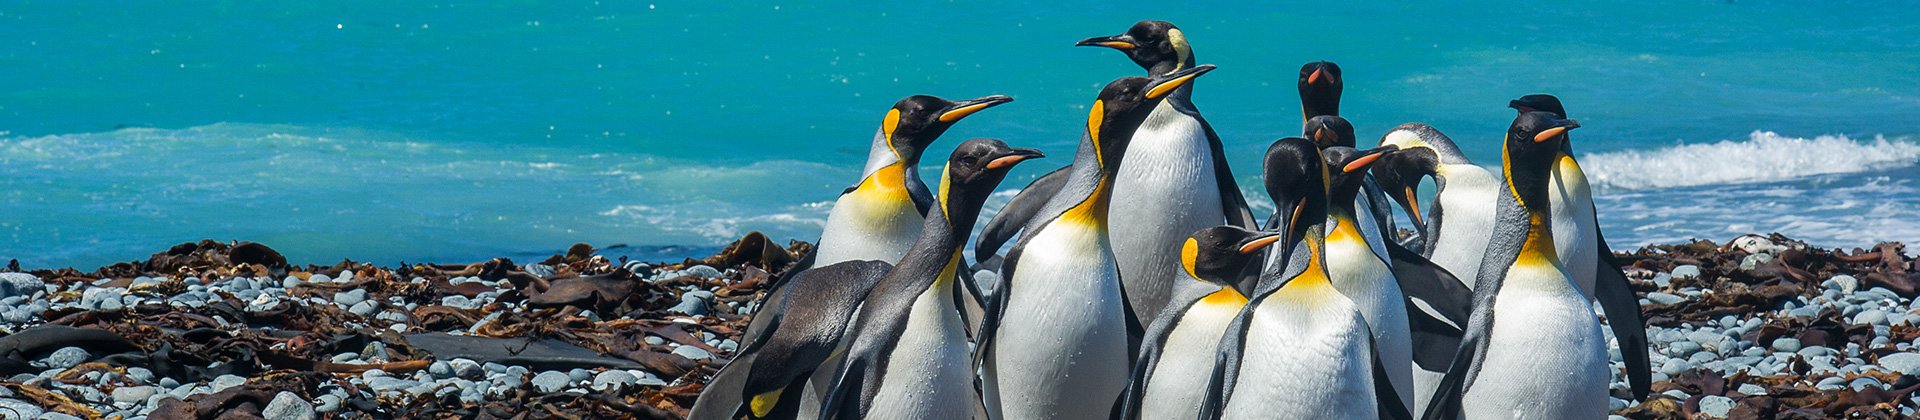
<point x="365" y="308"/>
<point x="388" y="384"/>
<point x="1905" y="363"/>
<point x="1862" y="383"/>
<point x="1682" y="349"/>
<point x="1675" y="367"/>
<point x="656" y="341"/>
<point x="690" y="305"/>
<point x="22" y="409"/>
<point x="466" y="369"/>
<point x="692" y="352"/>
<point x="1831" y="382"/>
<point x="223" y="382"/>
<point x="579" y="375"/>
<point x="1751" y="389"/>
<point x="20" y="284"/>
<point x="1664" y="298"/>
<point x="613" y="379"/>
<point x="1845" y="283"/>
<point x="701" y="271"/>
<point x="55" y="415"/>
<point x="329" y="403"/>
<point x="1716" y="406"/>
<point x="1686" y="271"/>
<point x="440" y="369"/>
<point x="1871" y="317"/>
<point x="494" y="368"/>
<point x="459" y="301"/>
<point x="350" y="297"/>
<point x="65" y="357"/>
<point x="551" y="381"/>
<point x="1786" y="344"/>
<point x="133" y="394"/>
<point x="1677" y="394"/>
<point x="287" y="406"/>
<point x="1815" y="351"/>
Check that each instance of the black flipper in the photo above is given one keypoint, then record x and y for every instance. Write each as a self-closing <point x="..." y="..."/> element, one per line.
<point x="1420" y="278"/>
<point x="1389" y="400"/>
<point x="1381" y="208"/>
<point x="1434" y="341"/>
<point x="1232" y="201"/>
<point x="722" y="395"/>
<point x="1446" y="401"/>
<point x="843" y="402"/>
<point x="970" y="300"/>
<point x="1616" y="297"/>
<point x="1017" y="213"/>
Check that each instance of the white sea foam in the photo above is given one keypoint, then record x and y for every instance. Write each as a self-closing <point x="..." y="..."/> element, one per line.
<point x="1764" y="156"/>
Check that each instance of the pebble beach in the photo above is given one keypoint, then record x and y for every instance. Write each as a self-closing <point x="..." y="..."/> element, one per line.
<point x="1751" y="328"/>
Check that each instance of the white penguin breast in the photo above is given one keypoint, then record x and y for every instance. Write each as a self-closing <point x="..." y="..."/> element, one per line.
<point x="1061" y="348"/>
<point x="1466" y="220"/>
<point x="863" y="230"/>
<point x="928" y="375"/>
<point x="1358" y="273"/>
<point x="1304" y="358"/>
<point x="1575" y="236"/>
<point x="1179" y="382"/>
<point x="1546" y="357"/>
<point x="1164" y="190"/>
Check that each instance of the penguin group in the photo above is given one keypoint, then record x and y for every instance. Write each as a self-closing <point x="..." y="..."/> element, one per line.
<point x="1140" y="285"/>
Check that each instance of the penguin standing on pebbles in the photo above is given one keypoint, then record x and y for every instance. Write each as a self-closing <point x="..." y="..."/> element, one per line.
<point x="1058" y="336"/>
<point x="1583" y="249"/>
<point x="1175" y="179"/>
<point x="910" y="358"/>
<point x="1532" y="347"/>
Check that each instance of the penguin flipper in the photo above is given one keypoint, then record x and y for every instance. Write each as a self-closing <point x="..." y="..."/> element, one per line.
<point x="722" y="394"/>
<point x="970" y="301"/>
<point x="843" y="401"/>
<point x="1434" y="341"/>
<point x="1153" y="343"/>
<point x="1232" y="201"/>
<point x="1015" y="215"/>
<point x="1623" y="316"/>
<point x="1226" y="361"/>
<point x="1381" y="208"/>
<point x="775" y="303"/>
<point x="1389" y="400"/>
<point x="1447" y="398"/>
<point x="1421" y="278"/>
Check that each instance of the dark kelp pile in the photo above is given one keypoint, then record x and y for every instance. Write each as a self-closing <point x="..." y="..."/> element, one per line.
<point x="1760" y="327"/>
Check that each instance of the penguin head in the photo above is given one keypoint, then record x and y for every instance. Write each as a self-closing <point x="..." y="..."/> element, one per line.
<point x="1296" y="179"/>
<point x="1399" y="172"/>
<point x="1329" y="131"/>
<point x="1218" y="254"/>
<point x="916" y="121"/>
<point x="973" y="171"/>
<point x="1155" y="45"/>
<point x="1320" y="86"/>
<point x="1124" y="104"/>
<point x="1347" y="169"/>
<point x="1532" y="147"/>
<point x="1538" y="102"/>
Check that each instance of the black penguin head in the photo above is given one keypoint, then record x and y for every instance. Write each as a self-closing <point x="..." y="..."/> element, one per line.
<point x="1538" y="102"/>
<point x="1399" y="173"/>
<point x="1296" y="178"/>
<point x="1347" y="170"/>
<point x="1532" y="147"/>
<point x="1219" y="254"/>
<point x="973" y="171"/>
<point x="1155" y="45"/>
<point x="916" y="121"/>
<point x="1320" y="86"/>
<point x="1125" y="103"/>
<point x="1329" y="131"/>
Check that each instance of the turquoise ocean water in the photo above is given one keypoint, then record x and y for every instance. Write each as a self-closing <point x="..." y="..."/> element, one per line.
<point x="389" y="131"/>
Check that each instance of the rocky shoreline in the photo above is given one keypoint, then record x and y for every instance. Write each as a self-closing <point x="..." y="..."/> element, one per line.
<point x="1758" y="327"/>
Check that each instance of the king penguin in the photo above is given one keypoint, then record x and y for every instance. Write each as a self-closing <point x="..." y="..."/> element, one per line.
<point x="910" y="358"/>
<point x="1059" y="305"/>
<point x="1175" y="179"/>
<point x="1183" y="340"/>
<point x="1583" y="249"/>
<point x="1358" y="266"/>
<point x="1532" y="335"/>
<point x="1333" y="130"/>
<point x="876" y="219"/>
<point x="1300" y="348"/>
<point x="1320" y="86"/>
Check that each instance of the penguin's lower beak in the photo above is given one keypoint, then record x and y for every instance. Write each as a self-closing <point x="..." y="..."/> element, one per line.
<point x="1013" y="158"/>
<point x="1410" y="199"/>
<point x="965" y="108"/>
<point x="1118" y="42"/>
<point x="1164" y="84"/>
<point x="1367" y="158"/>
<point x="1258" y="242"/>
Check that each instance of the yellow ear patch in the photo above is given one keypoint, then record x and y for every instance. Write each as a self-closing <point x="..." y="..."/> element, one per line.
<point x="945" y="184"/>
<point x="1189" y="256"/>
<point x="888" y="125"/>
<point x="1180" y="48"/>
<point x="1094" y="118"/>
<point x="763" y="404"/>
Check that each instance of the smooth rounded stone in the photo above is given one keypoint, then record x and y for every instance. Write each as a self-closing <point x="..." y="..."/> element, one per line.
<point x="518" y="371"/>
<point x="613" y="379"/>
<point x="223" y="382"/>
<point x="329" y="403"/>
<point x="474" y="395"/>
<point x="1862" y="383"/>
<point x="20" y="284"/>
<point x="169" y="383"/>
<point x="466" y="369"/>
<point x="1663" y="280"/>
<point x="1786" y="344"/>
<point x="440" y="369"/>
<point x="690" y="305"/>
<point x="365" y="308"/>
<point x="1815" y="351"/>
<point x="1716" y="406"/>
<point x="539" y="270"/>
<point x="20" y="409"/>
<point x="1668" y="336"/>
<point x="17" y="316"/>
<point x="65" y="357"/>
<point x="459" y="301"/>
<point x="701" y="271"/>
<point x="1905" y="363"/>
<point x="1664" y="298"/>
<point x="350" y="297"/>
<point x="1751" y="389"/>
<point x="388" y="384"/>
<point x="647" y="378"/>
<point x="579" y="375"/>
<point x="1754" y="261"/>
<point x="494" y="368"/>
<point x="1804" y="312"/>
<point x="551" y="381"/>
<point x="1686" y="271"/>
<point x="1683" y="348"/>
<point x="1657" y="377"/>
<point x="656" y="341"/>
<point x="288" y="406"/>
<point x="1702" y="357"/>
<point x="1705" y="337"/>
<point x="55" y="415"/>
<point x="1677" y="394"/>
<point x="1871" y="317"/>
<point x="391" y="316"/>
<point x="1831" y="382"/>
<point x="728" y="345"/>
<point x="1843" y="283"/>
<point x="345" y="357"/>
<point x="133" y="394"/>
<point x="692" y="352"/>
<point x="1675" y="367"/>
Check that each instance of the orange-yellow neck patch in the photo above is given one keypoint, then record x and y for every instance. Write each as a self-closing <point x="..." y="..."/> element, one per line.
<point x="1190" y="256"/>
<point x="1225" y="296"/>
